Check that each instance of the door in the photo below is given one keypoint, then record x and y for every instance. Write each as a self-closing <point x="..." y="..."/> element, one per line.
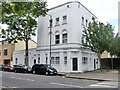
<point x="75" y="64"/>
<point x="94" y="64"/>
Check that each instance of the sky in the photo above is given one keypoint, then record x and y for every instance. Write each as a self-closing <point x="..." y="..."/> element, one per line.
<point x="105" y="10"/>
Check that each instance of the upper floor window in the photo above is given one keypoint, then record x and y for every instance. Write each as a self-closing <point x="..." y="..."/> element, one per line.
<point x="57" y="39"/>
<point x="5" y="52"/>
<point x="64" y="19"/>
<point x="64" y="38"/>
<point x="86" y="22"/>
<point x="82" y="39"/>
<point x="83" y="20"/>
<point x="57" y="21"/>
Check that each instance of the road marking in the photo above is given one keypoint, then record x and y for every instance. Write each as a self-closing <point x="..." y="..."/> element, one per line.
<point x="95" y="85"/>
<point x="10" y="87"/>
<point x="22" y="79"/>
<point x="66" y="85"/>
<point x="105" y="84"/>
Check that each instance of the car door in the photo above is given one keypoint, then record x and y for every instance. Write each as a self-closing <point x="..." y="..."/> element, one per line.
<point x="42" y="69"/>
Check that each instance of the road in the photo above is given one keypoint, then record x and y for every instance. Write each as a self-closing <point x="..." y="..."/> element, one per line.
<point x="21" y="80"/>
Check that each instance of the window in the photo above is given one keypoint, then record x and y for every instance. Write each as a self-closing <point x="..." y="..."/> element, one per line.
<point x="82" y="39"/>
<point x="65" y="60"/>
<point x="46" y="60"/>
<point x="38" y="60"/>
<point x="16" y="61"/>
<point x="84" y="60"/>
<point x="34" y="61"/>
<point x="52" y="60"/>
<point x="5" y="52"/>
<point x="86" y="22"/>
<point x="57" y="60"/>
<point x="64" y="38"/>
<point x="57" y="21"/>
<point x="57" y="39"/>
<point x="0" y="52"/>
<point x="64" y="19"/>
<point x="83" y="20"/>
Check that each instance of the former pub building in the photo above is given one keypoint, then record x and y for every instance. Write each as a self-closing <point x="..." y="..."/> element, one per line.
<point x="67" y="52"/>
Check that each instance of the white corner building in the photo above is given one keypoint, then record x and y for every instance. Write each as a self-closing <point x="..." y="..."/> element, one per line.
<point x="67" y="52"/>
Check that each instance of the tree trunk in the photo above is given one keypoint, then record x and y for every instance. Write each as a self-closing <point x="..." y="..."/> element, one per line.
<point x="100" y="61"/>
<point x="26" y="53"/>
<point x="112" y="62"/>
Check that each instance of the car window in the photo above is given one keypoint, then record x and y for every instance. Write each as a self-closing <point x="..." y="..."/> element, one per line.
<point x="48" y="66"/>
<point x="42" y="66"/>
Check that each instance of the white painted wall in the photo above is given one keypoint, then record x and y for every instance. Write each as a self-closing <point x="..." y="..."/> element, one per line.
<point x="21" y="57"/>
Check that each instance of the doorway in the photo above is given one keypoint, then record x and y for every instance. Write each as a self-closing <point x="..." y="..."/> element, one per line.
<point x="94" y="64"/>
<point x="75" y="64"/>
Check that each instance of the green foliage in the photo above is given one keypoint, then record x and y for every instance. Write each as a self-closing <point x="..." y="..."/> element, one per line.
<point x="98" y="36"/>
<point x="21" y="19"/>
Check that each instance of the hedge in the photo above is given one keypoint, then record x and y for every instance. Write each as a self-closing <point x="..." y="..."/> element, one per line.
<point x="107" y="63"/>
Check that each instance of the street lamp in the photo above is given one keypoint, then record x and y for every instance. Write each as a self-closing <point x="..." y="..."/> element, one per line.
<point x="50" y="21"/>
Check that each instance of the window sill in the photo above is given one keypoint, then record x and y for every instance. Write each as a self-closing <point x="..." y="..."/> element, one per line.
<point x="57" y="25"/>
<point x="64" y="23"/>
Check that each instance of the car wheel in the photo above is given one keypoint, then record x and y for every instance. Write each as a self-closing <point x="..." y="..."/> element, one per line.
<point x="46" y="73"/>
<point x="34" y="72"/>
<point x="15" y="71"/>
<point x="25" y="71"/>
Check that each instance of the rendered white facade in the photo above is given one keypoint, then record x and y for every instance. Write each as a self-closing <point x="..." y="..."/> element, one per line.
<point x="19" y="57"/>
<point x="69" y="56"/>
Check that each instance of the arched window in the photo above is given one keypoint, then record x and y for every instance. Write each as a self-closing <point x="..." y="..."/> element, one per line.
<point x="64" y="37"/>
<point x="57" y="38"/>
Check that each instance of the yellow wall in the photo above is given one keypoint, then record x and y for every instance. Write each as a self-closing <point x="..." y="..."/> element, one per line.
<point x="104" y="54"/>
<point x="21" y="45"/>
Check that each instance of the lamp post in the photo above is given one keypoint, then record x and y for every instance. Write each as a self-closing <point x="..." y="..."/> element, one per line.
<point x="50" y="21"/>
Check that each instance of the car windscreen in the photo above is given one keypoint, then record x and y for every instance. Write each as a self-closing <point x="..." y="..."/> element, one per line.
<point x="48" y="66"/>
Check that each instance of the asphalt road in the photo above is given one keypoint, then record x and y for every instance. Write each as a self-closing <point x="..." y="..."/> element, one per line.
<point x="21" y="80"/>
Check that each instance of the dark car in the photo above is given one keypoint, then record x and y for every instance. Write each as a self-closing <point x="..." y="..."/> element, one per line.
<point x="43" y="69"/>
<point x="1" y="66"/>
<point x="22" y="68"/>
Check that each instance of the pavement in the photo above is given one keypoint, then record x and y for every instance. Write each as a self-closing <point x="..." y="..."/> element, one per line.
<point x="111" y="75"/>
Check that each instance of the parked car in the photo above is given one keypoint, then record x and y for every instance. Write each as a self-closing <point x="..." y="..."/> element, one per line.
<point x="5" y="68"/>
<point x="43" y="69"/>
<point x="8" y="68"/>
<point x="1" y="66"/>
<point x="22" y="68"/>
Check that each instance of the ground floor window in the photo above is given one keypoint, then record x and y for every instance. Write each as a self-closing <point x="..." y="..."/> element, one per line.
<point x="55" y="60"/>
<point x="84" y="60"/>
<point x="16" y="61"/>
<point x="34" y="61"/>
<point x="65" y="60"/>
<point x="38" y="60"/>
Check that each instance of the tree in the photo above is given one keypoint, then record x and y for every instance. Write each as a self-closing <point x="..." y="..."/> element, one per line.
<point x="118" y="47"/>
<point x="21" y="17"/>
<point x="98" y="37"/>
